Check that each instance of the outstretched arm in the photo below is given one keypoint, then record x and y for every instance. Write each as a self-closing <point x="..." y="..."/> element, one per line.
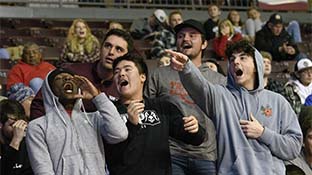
<point x="200" y="90"/>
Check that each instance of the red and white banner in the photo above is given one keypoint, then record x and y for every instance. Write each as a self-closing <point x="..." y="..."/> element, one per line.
<point x="300" y="5"/>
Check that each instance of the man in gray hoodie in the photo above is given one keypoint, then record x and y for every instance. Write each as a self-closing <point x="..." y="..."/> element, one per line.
<point x="256" y="128"/>
<point x="67" y="140"/>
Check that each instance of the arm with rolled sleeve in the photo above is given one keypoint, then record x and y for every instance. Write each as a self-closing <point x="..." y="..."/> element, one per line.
<point x="113" y="129"/>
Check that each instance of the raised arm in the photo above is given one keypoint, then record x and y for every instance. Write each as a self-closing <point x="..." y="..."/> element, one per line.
<point x="201" y="91"/>
<point x="112" y="128"/>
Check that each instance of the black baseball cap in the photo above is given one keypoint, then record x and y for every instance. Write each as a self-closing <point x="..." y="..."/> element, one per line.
<point x="192" y="24"/>
<point x="276" y="19"/>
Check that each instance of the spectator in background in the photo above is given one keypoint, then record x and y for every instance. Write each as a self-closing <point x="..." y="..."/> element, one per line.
<point x="74" y="135"/>
<point x="190" y="39"/>
<point x="115" y="44"/>
<point x="24" y="95"/>
<point x="255" y="135"/>
<point x="299" y="87"/>
<point x="214" y="65"/>
<point x="226" y="35"/>
<point x="145" y="28"/>
<point x="302" y="165"/>
<point x="115" y="25"/>
<point x="293" y="28"/>
<point x="253" y="23"/>
<point x="211" y="25"/>
<point x="163" y="61"/>
<point x="150" y="123"/>
<point x="165" y="39"/>
<point x="80" y="46"/>
<point x="269" y="83"/>
<point x="14" y="157"/>
<point x="31" y="70"/>
<point x="273" y="38"/>
<point x="175" y="18"/>
<point x="236" y="21"/>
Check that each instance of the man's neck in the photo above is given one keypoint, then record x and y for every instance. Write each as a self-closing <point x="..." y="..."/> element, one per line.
<point x="215" y="19"/>
<point x="104" y="73"/>
<point x="308" y="159"/>
<point x="265" y="80"/>
<point x="197" y="61"/>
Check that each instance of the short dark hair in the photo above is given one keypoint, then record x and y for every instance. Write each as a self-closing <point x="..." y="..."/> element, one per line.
<point x="240" y="46"/>
<point x="12" y="107"/>
<point x="137" y="60"/>
<point x="123" y="34"/>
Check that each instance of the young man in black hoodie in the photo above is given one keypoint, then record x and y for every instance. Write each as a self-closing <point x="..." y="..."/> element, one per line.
<point x="150" y="122"/>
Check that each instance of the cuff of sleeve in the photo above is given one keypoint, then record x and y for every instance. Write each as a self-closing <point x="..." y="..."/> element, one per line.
<point x="100" y="98"/>
<point x="187" y="67"/>
<point x="266" y="136"/>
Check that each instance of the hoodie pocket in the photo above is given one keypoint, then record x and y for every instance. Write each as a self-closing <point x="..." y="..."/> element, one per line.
<point x="250" y="162"/>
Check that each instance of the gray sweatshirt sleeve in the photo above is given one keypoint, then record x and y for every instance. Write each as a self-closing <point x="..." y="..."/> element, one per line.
<point x="200" y="90"/>
<point x="287" y="144"/>
<point x="152" y="85"/>
<point x="112" y="128"/>
<point x="38" y="153"/>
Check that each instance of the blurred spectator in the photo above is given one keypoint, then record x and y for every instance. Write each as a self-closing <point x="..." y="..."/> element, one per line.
<point x="165" y="38"/>
<point x="274" y="39"/>
<point x="226" y="35"/>
<point x="4" y="54"/>
<point x="80" y="46"/>
<point x="214" y="65"/>
<point x="15" y="52"/>
<point x="211" y="25"/>
<point x="23" y="94"/>
<point x="115" y="25"/>
<point x="163" y="61"/>
<point x="253" y="24"/>
<point x="14" y="158"/>
<point x="145" y="28"/>
<point x="236" y="21"/>
<point x="175" y="18"/>
<point x="300" y="86"/>
<point x="31" y="69"/>
<point x="293" y="29"/>
<point x="269" y="83"/>
<point x="302" y="165"/>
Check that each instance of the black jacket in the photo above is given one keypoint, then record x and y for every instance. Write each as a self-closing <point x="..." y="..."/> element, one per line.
<point x="146" y="151"/>
<point x="266" y="41"/>
<point x="15" y="162"/>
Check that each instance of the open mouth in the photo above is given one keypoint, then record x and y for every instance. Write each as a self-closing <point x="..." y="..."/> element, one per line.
<point x="239" y="72"/>
<point x="123" y="83"/>
<point x="186" y="46"/>
<point x="68" y="88"/>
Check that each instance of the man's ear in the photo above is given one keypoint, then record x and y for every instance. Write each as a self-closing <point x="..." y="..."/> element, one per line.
<point x="204" y="45"/>
<point x="143" y="78"/>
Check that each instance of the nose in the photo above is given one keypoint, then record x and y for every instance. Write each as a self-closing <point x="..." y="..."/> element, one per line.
<point x="112" y="50"/>
<point x="186" y="37"/>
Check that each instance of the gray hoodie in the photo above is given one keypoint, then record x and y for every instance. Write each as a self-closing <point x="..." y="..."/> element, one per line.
<point x="60" y="144"/>
<point x="226" y="105"/>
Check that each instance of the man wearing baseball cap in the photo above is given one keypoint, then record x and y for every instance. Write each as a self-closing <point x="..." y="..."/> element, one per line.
<point x="197" y="160"/>
<point x="299" y="87"/>
<point x="143" y="27"/>
<point x="274" y="39"/>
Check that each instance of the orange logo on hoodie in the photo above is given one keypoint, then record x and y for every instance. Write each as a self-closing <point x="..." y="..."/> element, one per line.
<point x="267" y="111"/>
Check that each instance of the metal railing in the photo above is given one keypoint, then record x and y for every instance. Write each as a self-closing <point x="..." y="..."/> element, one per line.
<point x="129" y="4"/>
